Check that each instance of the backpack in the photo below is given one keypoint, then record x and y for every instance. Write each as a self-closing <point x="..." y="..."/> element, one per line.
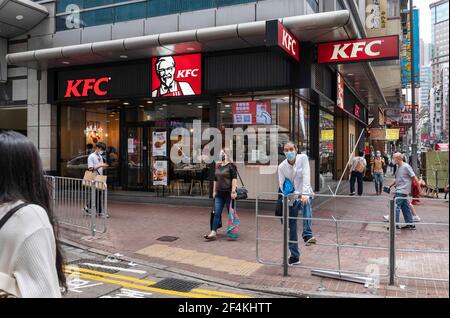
<point x="359" y="166"/>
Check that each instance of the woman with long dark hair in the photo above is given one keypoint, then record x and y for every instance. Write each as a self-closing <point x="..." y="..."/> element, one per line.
<point x="31" y="260"/>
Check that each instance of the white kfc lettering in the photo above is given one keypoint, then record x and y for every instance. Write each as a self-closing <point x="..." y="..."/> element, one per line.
<point x="338" y="50"/>
<point x="357" y="47"/>
<point x="188" y="73"/>
<point x="289" y="43"/>
<point x="369" y="50"/>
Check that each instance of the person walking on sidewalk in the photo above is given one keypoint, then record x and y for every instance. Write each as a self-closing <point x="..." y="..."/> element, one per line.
<point x="96" y="163"/>
<point x="377" y="170"/>
<point x="295" y="169"/>
<point x="31" y="259"/>
<point x="224" y="191"/>
<point x="358" y="168"/>
<point x="403" y="183"/>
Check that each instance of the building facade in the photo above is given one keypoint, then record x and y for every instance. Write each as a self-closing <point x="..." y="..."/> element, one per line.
<point x="91" y="71"/>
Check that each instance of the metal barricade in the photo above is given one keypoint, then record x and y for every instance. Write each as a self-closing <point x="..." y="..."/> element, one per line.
<point x="431" y="233"/>
<point x="79" y="203"/>
<point x="338" y="227"/>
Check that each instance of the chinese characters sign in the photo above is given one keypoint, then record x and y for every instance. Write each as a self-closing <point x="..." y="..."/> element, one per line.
<point x="252" y="112"/>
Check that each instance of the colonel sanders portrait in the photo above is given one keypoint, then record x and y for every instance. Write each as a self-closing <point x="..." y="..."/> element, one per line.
<point x="165" y="69"/>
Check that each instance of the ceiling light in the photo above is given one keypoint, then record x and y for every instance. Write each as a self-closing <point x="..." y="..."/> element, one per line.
<point x="189" y="104"/>
<point x="161" y="108"/>
<point x="141" y="106"/>
<point x="19" y="17"/>
<point x="227" y="106"/>
<point x="66" y="62"/>
<point x="126" y="103"/>
<point x="222" y="111"/>
<point x="124" y="56"/>
<point x="219" y="102"/>
<point x="149" y="102"/>
<point x="164" y="104"/>
<point x="200" y="106"/>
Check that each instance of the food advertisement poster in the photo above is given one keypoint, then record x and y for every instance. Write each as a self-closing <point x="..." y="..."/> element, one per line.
<point x="159" y="143"/>
<point x="160" y="172"/>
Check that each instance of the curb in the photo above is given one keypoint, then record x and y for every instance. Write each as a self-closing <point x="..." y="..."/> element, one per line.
<point x="286" y="292"/>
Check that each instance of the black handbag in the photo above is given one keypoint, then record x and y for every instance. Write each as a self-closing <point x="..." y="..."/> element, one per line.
<point x="241" y="193"/>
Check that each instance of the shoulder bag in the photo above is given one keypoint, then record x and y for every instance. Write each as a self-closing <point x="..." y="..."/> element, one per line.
<point x="241" y="193"/>
<point x="8" y="285"/>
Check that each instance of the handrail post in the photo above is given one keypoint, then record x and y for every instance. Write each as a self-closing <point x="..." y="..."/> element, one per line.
<point x="392" y="242"/>
<point x="285" y="235"/>
<point x="93" y="207"/>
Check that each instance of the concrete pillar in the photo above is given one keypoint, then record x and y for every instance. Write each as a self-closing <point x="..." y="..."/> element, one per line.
<point x="41" y="123"/>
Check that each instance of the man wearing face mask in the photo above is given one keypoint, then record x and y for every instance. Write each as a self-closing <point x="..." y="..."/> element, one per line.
<point x="295" y="170"/>
<point x="96" y="163"/>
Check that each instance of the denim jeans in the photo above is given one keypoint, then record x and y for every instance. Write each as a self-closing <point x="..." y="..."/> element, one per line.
<point x="378" y="178"/>
<point x="356" y="176"/>
<point x="219" y="203"/>
<point x="402" y="204"/>
<point x="293" y="225"/>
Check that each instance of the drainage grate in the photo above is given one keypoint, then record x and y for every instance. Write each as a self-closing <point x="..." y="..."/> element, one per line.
<point x="176" y="285"/>
<point x="167" y="238"/>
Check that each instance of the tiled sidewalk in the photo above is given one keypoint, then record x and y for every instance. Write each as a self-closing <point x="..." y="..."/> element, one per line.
<point x="133" y="230"/>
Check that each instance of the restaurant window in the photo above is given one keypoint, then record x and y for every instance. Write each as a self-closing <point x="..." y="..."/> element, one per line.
<point x="252" y="112"/>
<point x="302" y="125"/>
<point x="326" y="150"/>
<point x="81" y="127"/>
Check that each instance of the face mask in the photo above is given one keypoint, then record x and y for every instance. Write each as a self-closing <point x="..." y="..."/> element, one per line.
<point x="378" y="154"/>
<point x="102" y="152"/>
<point x="223" y="157"/>
<point x="290" y="155"/>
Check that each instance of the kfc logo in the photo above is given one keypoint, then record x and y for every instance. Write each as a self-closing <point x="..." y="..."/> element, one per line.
<point x="176" y="75"/>
<point x="359" y="50"/>
<point x="288" y="42"/>
<point x="82" y="87"/>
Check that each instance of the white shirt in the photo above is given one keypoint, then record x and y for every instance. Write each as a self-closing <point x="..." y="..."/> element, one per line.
<point x="94" y="160"/>
<point x="355" y="162"/>
<point x="299" y="173"/>
<point x="28" y="252"/>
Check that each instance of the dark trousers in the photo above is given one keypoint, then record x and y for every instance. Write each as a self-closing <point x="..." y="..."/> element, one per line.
<point x="356" y="176"/>
<point x="98" y="200"/>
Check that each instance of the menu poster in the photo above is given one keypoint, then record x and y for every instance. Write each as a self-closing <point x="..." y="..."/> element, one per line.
<point x="252" y="112"/>
<point x="159" y="143"/>
<point x="160" y="172"/>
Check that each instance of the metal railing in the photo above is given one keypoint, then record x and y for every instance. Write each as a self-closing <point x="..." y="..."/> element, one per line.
<point x="338" y="243"/>
<point x="79" y="203"/>
<point x="430" y="225"/>
<point x="390" y="245"/>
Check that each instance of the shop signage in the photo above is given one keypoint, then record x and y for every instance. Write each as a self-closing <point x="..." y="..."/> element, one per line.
<point x="401" y="130"/>
<point x="159" y="143"/>
<point x="407" y="118"/>
<point x="380" y="48"/>
<point x="278" y="36"/>
<point x="392" y="134"/>
<point x="160" y="172"/>
<point x="252" y="112"/>
<point x="178" y="75"/>
<point x="340" y="91"/>
<point x="408" y="107"/>
<point x="327" y="135"/>
<point x="377" y="134"/>
<point x="376" y="14"/>
<point x="82" y="87"/>
<point x="356" y="111"/>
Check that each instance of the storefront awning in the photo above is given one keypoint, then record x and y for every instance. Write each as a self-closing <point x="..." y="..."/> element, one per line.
<point x="320" y="27"/>
<point x="19" y="16"/>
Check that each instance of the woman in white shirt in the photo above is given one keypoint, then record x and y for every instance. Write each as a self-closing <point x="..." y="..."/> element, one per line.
<point x="31" y="260"/>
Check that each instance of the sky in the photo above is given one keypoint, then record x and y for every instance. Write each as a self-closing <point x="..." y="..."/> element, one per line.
<point x="424" y="18"/>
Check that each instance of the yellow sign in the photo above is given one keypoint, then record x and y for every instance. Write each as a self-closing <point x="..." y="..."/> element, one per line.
<point x="326" y="135"/>
<point x="392" y="134"/>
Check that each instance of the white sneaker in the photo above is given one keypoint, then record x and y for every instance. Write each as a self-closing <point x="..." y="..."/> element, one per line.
<point x="386" y="218"/>
<point x="416" y="218"/>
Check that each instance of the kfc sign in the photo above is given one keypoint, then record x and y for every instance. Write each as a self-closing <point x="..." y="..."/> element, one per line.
<point x="278" y="36"/>
<point x="176" y="75"/>
<point x="82" y="87"/>
<point x="381" y="48"/>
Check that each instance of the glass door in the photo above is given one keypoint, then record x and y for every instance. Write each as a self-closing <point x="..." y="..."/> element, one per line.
<point x="137" y="160"/>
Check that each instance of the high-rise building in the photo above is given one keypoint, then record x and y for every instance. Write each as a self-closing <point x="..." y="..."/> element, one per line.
<point x="425" y="53"/>
<point x="439" y="38"/>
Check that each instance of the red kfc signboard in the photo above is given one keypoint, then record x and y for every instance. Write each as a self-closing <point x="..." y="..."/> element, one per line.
<point x="380" y="48"/>
<point x="280" y="37"/>
<point x="252" y="112"/>
<point x="178" y="75"/>
<point x="82" y="87"/>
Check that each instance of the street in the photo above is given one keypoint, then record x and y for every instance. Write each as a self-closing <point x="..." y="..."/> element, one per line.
<point x="91" y="275"/>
